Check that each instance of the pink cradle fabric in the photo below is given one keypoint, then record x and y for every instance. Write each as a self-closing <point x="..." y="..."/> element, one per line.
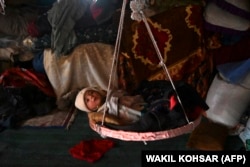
<point x="145" y="136"/>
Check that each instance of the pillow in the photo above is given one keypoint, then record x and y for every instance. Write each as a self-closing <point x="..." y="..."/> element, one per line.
<point x="239" y="8"/>
<point x="208" y="136"/>
<point x="222" y="20"/>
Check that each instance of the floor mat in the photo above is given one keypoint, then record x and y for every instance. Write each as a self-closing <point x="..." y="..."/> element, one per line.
<point x="49" y="147"/>
<point x="57" y="118"/>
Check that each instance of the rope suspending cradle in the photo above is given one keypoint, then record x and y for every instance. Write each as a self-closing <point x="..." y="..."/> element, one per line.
<point x="2" y="5"/>
<point x="137" y="7"/>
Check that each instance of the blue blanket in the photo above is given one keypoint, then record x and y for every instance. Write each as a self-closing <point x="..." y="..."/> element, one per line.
<point x="236" y="72"/>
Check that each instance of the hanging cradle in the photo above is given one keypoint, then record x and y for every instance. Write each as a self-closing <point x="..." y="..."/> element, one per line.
<point x="137" y="7"/>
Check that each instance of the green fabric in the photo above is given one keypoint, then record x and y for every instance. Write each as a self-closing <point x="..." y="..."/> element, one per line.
<point x="62" y="17"/>
<point x="50" y="147"/>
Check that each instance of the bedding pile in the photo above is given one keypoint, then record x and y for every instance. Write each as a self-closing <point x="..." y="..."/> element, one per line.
<point x="32" y="39"/>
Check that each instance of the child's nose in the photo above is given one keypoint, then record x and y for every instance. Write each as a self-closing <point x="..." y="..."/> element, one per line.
<point x="92" y="98"/>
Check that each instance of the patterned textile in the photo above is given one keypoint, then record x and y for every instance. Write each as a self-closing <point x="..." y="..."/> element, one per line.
<point x="179" y="35"/>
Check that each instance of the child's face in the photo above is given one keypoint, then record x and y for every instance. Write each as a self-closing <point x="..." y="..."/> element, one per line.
<point x="92" y="99"/>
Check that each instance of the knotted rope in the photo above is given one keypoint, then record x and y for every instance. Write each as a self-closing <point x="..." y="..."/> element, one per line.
<point x="115" y="57"/>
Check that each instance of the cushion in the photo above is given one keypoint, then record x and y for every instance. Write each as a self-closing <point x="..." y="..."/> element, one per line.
<point x="239" y="8"/>
<point x="223" y="20"/>
<point x="208" y="136"/>
<point x="226" y="111"/>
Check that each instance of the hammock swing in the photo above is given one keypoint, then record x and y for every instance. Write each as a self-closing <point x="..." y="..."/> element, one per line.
<point x="137" y="7"/>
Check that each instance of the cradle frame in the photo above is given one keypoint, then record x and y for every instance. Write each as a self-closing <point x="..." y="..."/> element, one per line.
<point x="137" y="14"/>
